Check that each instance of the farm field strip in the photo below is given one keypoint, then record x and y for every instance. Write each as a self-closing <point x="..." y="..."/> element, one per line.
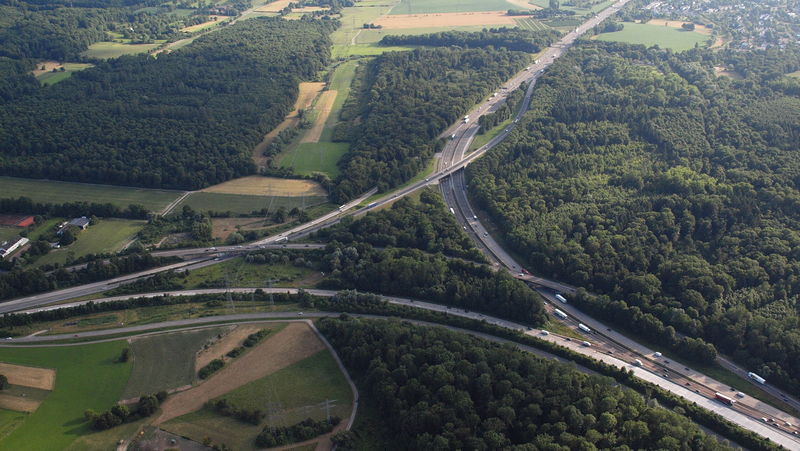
<point x="394" y="21"/>
<point x="241" y="204"/>
<point x="50" y="191"/>
<point x="256" y="185"/>
<point x="456" y="6"/>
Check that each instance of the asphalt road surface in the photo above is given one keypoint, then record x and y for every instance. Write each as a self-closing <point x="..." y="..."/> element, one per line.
<point x="678" y="379"/>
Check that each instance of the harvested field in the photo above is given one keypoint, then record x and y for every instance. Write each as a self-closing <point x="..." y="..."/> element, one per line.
<point x="702" y="29"/>
<point x="48" y="67"/>
<point x="274" y="7"/>
<point x="394" y="22"/>
<point x="308" y="92"/>
<point x="232" y="339"/>
<point x="18" y="404"/>
<point x="324" y="107"/>
<point x="294" y="343"/>
<point x="255" y="185"/>
<point x="201" y="26"/>
<point x="28" y="376"/>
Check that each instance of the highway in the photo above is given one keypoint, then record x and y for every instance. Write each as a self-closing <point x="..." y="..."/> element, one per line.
<point x="689" y="384"/>
<point x="450" y="177"/>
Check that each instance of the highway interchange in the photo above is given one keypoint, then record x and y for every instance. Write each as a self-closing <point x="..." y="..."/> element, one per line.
<point x="607" y="345"/>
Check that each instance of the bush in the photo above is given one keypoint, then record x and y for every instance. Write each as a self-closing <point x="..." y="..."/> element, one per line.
<point x="304" y="430"/>
<point x="212" y="367"/>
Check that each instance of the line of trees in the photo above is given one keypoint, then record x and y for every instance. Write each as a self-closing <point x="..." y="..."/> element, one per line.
<point x="409" y="99"/>
<point x="670" y="191"/>
<point x="71" y="209"/>
<point x="121" y="413"/>
<point x="187" y="119"/>
<point x="505" y="112"/>
<point x="507" y="38"/>
<point x="437" y="389"/>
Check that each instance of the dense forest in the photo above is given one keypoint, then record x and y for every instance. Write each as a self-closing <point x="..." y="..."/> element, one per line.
<point x="640" y="175"/>
<point x="184" y="120"/>
<point x="438" y="389"/>
<point x="424" y="225"/>
<point x="507" y="38"/>
<point x="431" y="277"/>
<point x="409" y="99"/>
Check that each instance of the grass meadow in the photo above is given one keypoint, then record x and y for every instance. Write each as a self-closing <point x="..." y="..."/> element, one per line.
<point x="242" y="204"/>
<point x="51" y="78"/>
<point x="295" y="392"/>
<point x="247" y="275"/>
<point x="49" y="191"/>
<point x="87" y="377"/>
<point x="106" y="50"/>
<point x="166" y="361"/>
<point x="650" y="35"/>
<point x="107" y="236"/>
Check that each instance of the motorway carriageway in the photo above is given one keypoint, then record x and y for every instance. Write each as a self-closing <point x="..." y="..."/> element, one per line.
<point x="685" y="383"/>
<point x="457" y="162"/>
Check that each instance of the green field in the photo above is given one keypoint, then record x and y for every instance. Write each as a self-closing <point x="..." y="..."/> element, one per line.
<point x="47" y="191"/>
<point x="354" y="17"/>
<point x="578" y="11"/>
<point x="346" y="51"/>
<point x="650" y="35"/>
<point x="106" y="50"/>
<point x="9" y="421"/>
<point x="6" y="233"/>
<point x="166" y="361"/>
<point x="247" y="275"/>
<point x="308" y="158"/>
<point x="322" y="156"/>
<point x="531" y="24"/>
<point x="242" y="204"/>
<point x="486" y="137"/>
<point x="87" y="377"/>
<point x="51" y="78"/>
<point x="296" y="391"/>
<point x="451" y="6"/>
<point x="107" y="236"/>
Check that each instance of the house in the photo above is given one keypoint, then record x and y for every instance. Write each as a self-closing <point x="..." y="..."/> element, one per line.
<point x="82" y="222"/>
<point x="8" y="247"/>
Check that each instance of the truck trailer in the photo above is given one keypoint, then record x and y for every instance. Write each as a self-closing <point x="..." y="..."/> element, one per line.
<point x="724" y="399"/>
<point x="561" y="298"/>
<point x="756" y="378"/>
<point x="583" y="327"/>
<point x="560" y="314"/>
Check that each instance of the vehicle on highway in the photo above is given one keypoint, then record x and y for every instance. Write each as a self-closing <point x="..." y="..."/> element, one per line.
<point x="545" y="333"/>
<point x="372" y="204"/>
<point x="724" y="399"/>
<point x="561" y="298"/>
<point x="452" y="211"/>
<point x="474" y="217"/>
<point x="657" y="354"/>
<point x="586" y="343"/>
<point x="453" y="136"/>
<point x="637" y="362"/>
<point x="740" y="395"/>
<point x="756" y="378"/>
<point x="560" y="314"/>
<point x="583" y="327"/>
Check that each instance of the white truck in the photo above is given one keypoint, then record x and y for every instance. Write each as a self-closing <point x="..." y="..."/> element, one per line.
<point x="560" y="314"/>
<point x="756" y="378"/>
<point x="561" y="298"/>
<point x="452" y="211"/>
<point x="583" y="327"/>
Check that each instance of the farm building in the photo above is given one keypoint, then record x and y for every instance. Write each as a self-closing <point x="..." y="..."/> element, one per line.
<point x="16" y="220"/>
<point x="8" y="247"/>
<point x="82" y="222"/>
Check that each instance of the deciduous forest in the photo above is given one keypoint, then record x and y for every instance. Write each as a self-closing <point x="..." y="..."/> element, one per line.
<point x="669" y="191"/>
<point x="409" y="98"/>
<point x="186" y="119"/>
<point x="436" y="389"/>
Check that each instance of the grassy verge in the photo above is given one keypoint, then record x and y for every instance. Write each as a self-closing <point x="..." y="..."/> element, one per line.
<point x="6" y="233"/>
<point x="48" y="191"/>
<point x="87" y="377"/>
<point x="239" y="273"/>
<point x="429" y="169"/>
<point x="480" y="140"/>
